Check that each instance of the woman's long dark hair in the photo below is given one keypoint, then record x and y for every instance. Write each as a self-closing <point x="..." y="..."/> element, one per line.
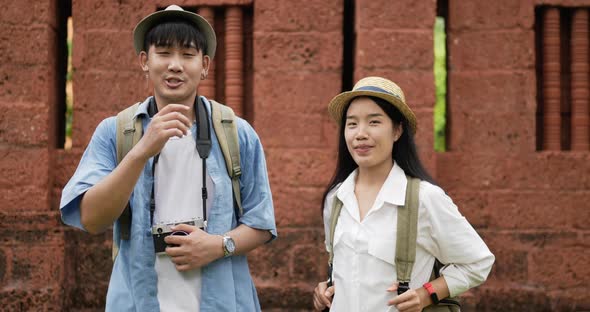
<point x="405" y="153"/>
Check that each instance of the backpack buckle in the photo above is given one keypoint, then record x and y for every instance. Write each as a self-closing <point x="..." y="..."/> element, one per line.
<point x="403" y="287"/>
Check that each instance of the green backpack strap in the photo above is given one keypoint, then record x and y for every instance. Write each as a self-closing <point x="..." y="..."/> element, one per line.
<point x="336" y="208"/>
<point x="226" y="129"/>
<point x="129" y="131"/>
<point x="407" y="231"/>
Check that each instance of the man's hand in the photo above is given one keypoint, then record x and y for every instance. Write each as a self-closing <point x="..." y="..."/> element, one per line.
<point x="170" y="121"/>
<point x="195" y="250"/>
<point x="407" y="302"/>
<point x="322" y="296"/>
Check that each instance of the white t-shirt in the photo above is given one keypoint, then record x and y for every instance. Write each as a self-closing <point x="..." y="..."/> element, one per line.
<point x="364" y="251"/>
<point x="178" y="182"/>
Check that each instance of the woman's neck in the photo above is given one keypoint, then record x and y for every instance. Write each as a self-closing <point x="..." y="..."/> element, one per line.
<point x="374" y="176"/>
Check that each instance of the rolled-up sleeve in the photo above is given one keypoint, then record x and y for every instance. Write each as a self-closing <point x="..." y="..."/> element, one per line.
<point x="98" y="160"/>
<point x="255" y="188"/>
<point x="454" y="241"/>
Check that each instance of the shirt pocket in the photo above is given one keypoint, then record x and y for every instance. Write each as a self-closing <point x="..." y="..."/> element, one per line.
<point x="383" y="249"/>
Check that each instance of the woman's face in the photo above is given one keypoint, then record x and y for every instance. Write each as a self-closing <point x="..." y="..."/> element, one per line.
<point x="370" y="134"/>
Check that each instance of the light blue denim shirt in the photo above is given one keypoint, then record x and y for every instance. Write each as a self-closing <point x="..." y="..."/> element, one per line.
<point x="227" y="284"/>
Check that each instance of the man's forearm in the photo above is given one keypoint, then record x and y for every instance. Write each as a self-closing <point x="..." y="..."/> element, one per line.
<point x="104" y="202"/>
<point x="247" y="238"/>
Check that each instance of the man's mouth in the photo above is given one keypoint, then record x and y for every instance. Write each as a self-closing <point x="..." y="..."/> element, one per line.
<point x="173" y="82"/>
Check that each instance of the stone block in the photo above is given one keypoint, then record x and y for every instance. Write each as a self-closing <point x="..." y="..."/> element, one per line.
<point x="295" y="92"/>
<point x="24" y="124"/>
<point x="298" y="206"/>
<point x="493" y="92"/>
<point x="492" y="50"/>
<point x="504" y="14"/>
<point x="400" y="50"/>
<point x="23" y="83"/>
<point x="301" y="51"/>
<point x="301" y="167"/>
<point x="405" y="14"/>
<point x="303" y="16"/>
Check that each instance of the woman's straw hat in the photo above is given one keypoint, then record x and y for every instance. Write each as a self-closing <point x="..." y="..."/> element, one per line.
<point x="377" y="87"/>
<point x="171" y="13"/>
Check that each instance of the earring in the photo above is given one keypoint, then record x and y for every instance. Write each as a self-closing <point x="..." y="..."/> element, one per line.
<point x="147" y="80"/>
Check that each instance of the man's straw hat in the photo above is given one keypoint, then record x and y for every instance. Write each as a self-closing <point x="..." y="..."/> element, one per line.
<point x="171" y="13"/>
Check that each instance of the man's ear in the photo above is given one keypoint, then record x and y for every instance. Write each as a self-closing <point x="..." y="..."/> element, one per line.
<point x="143" y="58"/>
<point x="206" y="63"/>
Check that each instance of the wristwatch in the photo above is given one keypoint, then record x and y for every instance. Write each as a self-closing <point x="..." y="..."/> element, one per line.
<point x="229" y="246"/>
<point x="431" y="293"/>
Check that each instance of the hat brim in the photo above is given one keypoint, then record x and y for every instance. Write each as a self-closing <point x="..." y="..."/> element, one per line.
<point x="158" y="17"/>
<point x="339" y="102"/>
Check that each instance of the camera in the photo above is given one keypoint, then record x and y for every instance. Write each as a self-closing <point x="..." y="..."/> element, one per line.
<point x="162" y="230"/>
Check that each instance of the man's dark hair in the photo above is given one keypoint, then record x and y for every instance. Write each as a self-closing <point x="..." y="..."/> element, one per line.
<point x="175" y="33"/>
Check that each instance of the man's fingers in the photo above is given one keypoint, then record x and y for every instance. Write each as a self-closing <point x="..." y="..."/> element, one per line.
<point x="186" y="228"/>
<point x="174" y="108"/>
<point x="176" y="240"/>
<point x="175" y="116"/>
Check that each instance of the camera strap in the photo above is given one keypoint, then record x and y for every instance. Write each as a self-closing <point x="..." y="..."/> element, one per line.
<point x="203" y="145"/>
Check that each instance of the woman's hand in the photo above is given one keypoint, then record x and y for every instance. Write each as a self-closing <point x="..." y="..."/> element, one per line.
<point x="410" y="301"/>
<point x="322" y="296"/>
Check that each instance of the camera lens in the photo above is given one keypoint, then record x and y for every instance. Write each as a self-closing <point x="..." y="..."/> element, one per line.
<point x="159" y="230"/>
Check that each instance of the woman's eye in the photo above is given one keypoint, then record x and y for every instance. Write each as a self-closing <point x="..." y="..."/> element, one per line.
<point x="374" y="122"/>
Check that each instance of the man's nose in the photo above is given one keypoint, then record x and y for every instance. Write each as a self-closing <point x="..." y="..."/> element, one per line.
<point x="175" y="64"/>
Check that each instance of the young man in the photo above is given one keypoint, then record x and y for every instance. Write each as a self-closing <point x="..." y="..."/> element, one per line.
<point x="206" y="270"/>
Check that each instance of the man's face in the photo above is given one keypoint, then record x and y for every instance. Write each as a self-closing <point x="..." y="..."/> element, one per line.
<point x="175" y="72"/>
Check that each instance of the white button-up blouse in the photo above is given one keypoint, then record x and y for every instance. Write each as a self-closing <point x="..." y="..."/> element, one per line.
<point x="364" y="251"/>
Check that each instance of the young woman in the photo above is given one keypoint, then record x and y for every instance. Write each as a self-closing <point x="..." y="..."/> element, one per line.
<point x="376" y="155"/>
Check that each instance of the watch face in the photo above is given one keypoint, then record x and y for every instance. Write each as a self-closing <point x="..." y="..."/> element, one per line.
<point x="230" y="245"/>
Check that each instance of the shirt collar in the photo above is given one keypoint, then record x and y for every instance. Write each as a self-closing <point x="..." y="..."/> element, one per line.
<point x="347" y="187"/>
<point x="394" y="188"/>
<point x="143" y="108"/>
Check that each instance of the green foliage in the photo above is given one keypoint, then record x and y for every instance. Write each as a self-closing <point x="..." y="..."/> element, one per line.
<point x="440" y="80"/>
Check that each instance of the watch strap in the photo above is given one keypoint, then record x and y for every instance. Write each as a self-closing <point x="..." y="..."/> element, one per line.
<point x="431" y="292"/>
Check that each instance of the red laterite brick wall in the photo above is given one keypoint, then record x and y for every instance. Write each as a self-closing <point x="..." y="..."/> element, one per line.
<point x="530" y="204"/>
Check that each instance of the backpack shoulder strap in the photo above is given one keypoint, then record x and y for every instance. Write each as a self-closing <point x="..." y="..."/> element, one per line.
<point x="407" y="228"/>
<point x="335" y="213"/>
<point x="226" y="129"/>
<point x="129" y="131"/>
